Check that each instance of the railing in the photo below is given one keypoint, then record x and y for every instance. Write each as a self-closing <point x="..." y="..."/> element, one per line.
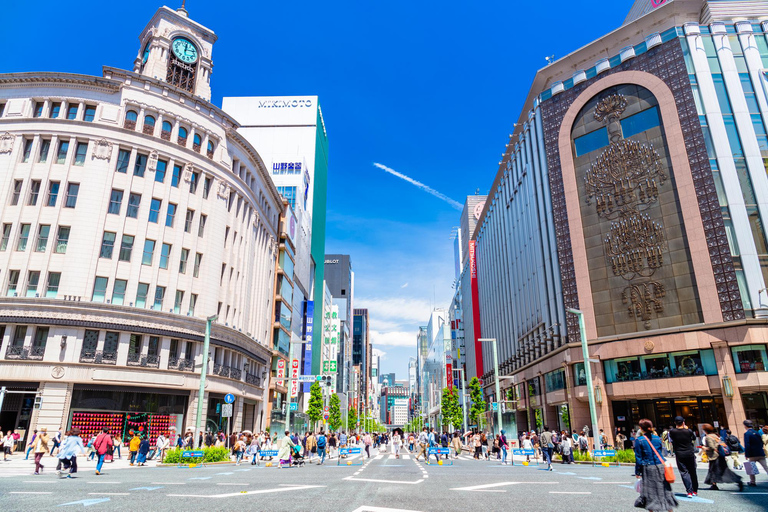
<point x="134" y="359"/>
<point x="182" y="141"/>
<point x="129" y="125"/>
<point x="98" y="357"/>
<point x="252" y="379"/>
<point x="175" y="363"/>
<point x="152" y="361"/>
<point x="24" y="353"/>
<point x="148" y="361"/>
<point x="165" y="135"/>
<point x="210" y="154"/>
<point x="236" y="374"/>
<point x="196" y="147"/>
<point x="148" y="129"/>
<point x="220" y="370"/>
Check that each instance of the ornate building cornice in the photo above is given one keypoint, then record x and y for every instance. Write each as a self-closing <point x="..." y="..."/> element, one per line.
<point x="56" y="79"/>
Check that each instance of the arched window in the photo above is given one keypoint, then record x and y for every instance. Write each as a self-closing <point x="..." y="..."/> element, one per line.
<point x="182" y="136"/>
<point x="130" y="120"/>
<point x="149" y="125"/>
<point x="210" y="149"/>
<point x="196" y="143"/>
<point x="165" y="133"/>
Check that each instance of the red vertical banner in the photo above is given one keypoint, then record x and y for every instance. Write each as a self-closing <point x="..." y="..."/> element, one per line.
<point x="281" y="368"/>
<point x="449" y="375"/>
<point x="295" y="369"/>
<point x="475" y="309"/>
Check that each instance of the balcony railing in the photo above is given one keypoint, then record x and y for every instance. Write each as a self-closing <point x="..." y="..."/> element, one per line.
<point x="175" y="363"/>
<point x="220" y="370"/>
<point x="236" y="374"/>
<point x="165" y="135"/>
<point x="182" y="141"/>
<point x="129" y="125"/>
<point x="252" y="379"/>
<point x="98" y="357"/>
<point x="148" y="129"/>
<point x="25" y="353"/>
<point x="210" y="154"/>
<point x="196" y="147"/>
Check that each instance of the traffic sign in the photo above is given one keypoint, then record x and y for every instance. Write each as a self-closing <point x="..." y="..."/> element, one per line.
<point x="294" y="406"/>
<point x="229" y="398"/>
<point x="226" y="410"/>
<point x="326" y="416"/>
<point x="494" y="406"/>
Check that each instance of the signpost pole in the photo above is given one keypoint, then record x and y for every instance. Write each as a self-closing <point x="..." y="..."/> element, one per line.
<point x="588" y="372"/>
<point x="203" y="371"/>
<point x="496" y="370"/>
<point x="288" y="394"/>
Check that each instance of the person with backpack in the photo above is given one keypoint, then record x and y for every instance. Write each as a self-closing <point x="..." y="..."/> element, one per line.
<point x="444" y="441"/>
<point x="754" y="451"/>
<point x="432" y="441"/>
<point x="683" y="440"/>
<point x="735" y="446"/>
<point x="322" y="443"/>
<point x="717" y="451"/>
<point x="56" y="442"/>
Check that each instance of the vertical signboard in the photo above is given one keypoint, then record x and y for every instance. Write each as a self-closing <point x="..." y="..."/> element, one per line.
<point x="294" y="376"/>
<point x="331" y="340"/>
<point x="449" y="375"/>
<point x="475" y="308"/>
<point x="281" y="369"/>
<point x="308" y="332"/>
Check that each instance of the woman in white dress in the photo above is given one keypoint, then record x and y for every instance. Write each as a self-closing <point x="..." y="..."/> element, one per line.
<point x="396" y="444"/>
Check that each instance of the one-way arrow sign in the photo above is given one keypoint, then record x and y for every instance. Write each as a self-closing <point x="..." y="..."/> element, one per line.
<point x="86" y="503"/>
<point x="145" y="488"/>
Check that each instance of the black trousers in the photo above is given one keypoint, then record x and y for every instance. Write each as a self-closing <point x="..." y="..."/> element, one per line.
<point x="687" y="468"/>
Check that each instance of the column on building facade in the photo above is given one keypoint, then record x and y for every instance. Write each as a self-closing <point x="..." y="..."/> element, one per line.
<point x="734" y="407"/>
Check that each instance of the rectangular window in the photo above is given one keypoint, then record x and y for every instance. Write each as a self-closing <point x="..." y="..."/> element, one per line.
<point x="192" y="304"/>
<point x="207" y="186"/>
<point x="154" y="210"/>
<point x="170" y="215"/>
<point x="72" y="190"/>
<point x="183" y="261"/>
<point x="16" y="194"/>
<point x="52" y="288"/>
<point x="194" y="180"/>
<point x="6" y="237"/>
<point x="61" y="154"/>
<point x="107" y="245"/>
<point x="118" y="293"/>
<point x="27" y="150"/>
<point x="55" y="110"/>
<point x="591" y="141"/>
<point x="34" y="192"/>
<point x="173" y="352"/>
<point x="141" y="295"/>
<point x="21" y="245"/>
<point x="115" y="201"/>
<point x="99" y="289"/>
<point x="149" y="250"/>
<point x="750" y="358"/>
<point x="41" y="336"/>
<point x="80" y="151"/>
<point x="165" y="254"/>
<point x="134" y="200"/>
<point x="162" y="166"/>
<point x="153" y="346"/>
<point x="43" y="231"/>
<point x="123" y="158"/>
<point x="176" y="176"/>
<point x="196" y="268"/>
<point x="201" y="225"/>
<point x="134" y="346"/>
<point x="38" y="109"/>
<point x="140" y="166"/>
<point x="159" y="296"/>
<point x="53" y="193"/>
<point x="32" y="282"/>
<point x="640" y="122"/>
<point x="111" y="340"/>
<point x="90" y="113"/>
<point x="188" y="221"/>
<point x="126" y="247"/>
<point x="62" y="239"/>
<point x="45" y="146"/>
<point x="19" y="335"/>
<point x="177" y="301"/>
<point x="72" y="112"/>
<point x="13" y="282"/>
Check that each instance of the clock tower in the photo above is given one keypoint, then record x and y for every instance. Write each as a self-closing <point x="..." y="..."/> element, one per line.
<point x="177" y="50"/>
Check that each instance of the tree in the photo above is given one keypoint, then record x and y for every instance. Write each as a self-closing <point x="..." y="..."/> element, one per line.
<point x="352" y="419"/>
<point x="477" y="410"/>
<point x="450" y="409"/>
<point x="334" y="412"/>
<point x="315" y="407"/>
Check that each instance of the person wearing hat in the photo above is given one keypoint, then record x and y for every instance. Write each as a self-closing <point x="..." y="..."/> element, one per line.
<point x="753" y="450"/>
<point x="683" y="440"/>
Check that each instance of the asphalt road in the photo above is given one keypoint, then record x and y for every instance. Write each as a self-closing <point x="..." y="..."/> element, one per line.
<point x="375" y="485"/>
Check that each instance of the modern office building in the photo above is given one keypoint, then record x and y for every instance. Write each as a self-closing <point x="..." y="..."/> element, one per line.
<point x="289" y="134"/>
<point x="341" y="281"/>
<point x="361" y="350"/>
<point x="634" y="189"/>
<point x="438" y="339"/>
<point x="132" y="210"/>
<point x="389" y="398"/>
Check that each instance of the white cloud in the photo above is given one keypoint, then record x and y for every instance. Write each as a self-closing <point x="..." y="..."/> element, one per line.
<point x="405" y="285"/>
<point x="394" y="339"/>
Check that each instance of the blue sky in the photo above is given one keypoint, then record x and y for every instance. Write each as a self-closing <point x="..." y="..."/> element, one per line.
<point x="430" y="89"/>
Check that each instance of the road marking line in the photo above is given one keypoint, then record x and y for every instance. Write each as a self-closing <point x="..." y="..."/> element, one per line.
<point x="232" y="484"/>
<point x="34" y="481"/>
<point x="102" y="482"/>
<point x="38" y="492"/>
<point x="589" y="477"/>
<point x="740" y="493"/>
<point x="568" y="492"/>
<point x="353" y="479"/>
<point x="365" y="508"/>
<point x="483" y="486"/>
<point x="169" y="483"/>
<point x="616" y="483"/>
<point x="109" y="494"/>
<point x="243" y="493"/>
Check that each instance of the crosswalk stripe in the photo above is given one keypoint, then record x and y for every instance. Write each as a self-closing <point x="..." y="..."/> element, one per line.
<point x="406" y="456"/>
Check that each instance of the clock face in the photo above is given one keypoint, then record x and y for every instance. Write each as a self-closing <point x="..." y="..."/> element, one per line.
<point x="184" y="50"/>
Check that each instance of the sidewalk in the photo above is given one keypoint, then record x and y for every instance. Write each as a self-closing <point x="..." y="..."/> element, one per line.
<point x="17" y="466"/>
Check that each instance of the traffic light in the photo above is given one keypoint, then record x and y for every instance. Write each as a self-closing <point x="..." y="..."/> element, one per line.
<point x="325" y="380"/>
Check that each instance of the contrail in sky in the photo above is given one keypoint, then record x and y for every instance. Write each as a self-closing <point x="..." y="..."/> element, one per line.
<point x="425" y="188"/>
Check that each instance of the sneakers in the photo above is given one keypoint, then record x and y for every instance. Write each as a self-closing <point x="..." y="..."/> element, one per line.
<point x="752" y="484"/>
<point x="37" y="473"/>
<point x="98" y="472"/>
<point x="58" y="473"/>
<point x="695" y="494"/>
<point x="690" y="495"/>
<point x="741" y="486"/>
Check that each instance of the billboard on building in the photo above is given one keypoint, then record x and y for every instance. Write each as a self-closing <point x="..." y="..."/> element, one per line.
<point x="475" y="307"/>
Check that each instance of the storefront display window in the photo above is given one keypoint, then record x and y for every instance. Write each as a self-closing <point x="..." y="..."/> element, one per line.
<point x="658" y="366"/>
<point x="749" y="358"/>
<point x="579" y="375"/>
<point x="555" y="380"/>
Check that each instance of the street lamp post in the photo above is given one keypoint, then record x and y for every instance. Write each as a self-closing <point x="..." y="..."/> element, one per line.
<point x="463" y="397"/>
<point x="588" y="373"/>
<point x="496" y="370"/>
<point x="204" y="370"/>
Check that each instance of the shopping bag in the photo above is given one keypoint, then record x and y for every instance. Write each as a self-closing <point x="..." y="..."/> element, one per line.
<point x="751" y="468"/>
<point x="639" y="485"/>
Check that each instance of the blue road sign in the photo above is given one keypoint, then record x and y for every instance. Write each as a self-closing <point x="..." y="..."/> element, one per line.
<point x="294" y="406"/>
<point x="349" y="451"/>
<point x="193" y="453"/>
<point x="229" y="398"/>
<point x="268" y="453"/>
<point x="604" y="453"/>
<point x="494" y="406"/>
<point x="439" y="451"/>
<point x="519" y="451"/>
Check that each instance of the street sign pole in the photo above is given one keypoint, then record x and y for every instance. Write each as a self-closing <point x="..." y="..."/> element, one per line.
<point x="203" y="371"/>
<point x="588" y="372"/>
<point x="496" y="369"/>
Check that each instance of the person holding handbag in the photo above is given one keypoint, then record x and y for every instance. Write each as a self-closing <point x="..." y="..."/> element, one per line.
<point x="656" y="493"/>
<point x="717" y="451"/>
